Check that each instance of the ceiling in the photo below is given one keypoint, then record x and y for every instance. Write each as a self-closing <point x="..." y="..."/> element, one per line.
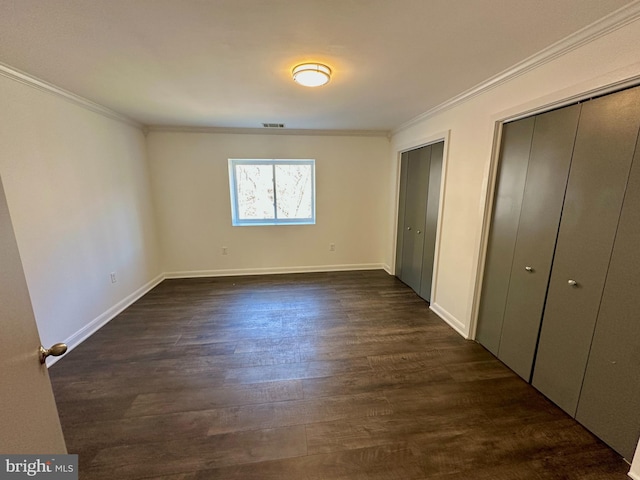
<point x="227" y="63"/>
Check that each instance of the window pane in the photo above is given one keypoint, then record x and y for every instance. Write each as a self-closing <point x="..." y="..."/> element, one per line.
<point x="255" y="192"/>
<point x="294" y="191"/>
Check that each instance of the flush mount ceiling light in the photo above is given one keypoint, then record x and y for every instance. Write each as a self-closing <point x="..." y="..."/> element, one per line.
<point x="311" y="74"/>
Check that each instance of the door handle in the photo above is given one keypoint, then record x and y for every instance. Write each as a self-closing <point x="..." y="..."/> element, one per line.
<point x="528" y="268"/>
<point x="572" y="283"/>
<point x="418" y="232"/>
<point x="408" y="228"/>
<point x="55" y="351"/>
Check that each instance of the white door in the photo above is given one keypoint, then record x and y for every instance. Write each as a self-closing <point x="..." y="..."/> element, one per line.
<point x="28" y="412"/>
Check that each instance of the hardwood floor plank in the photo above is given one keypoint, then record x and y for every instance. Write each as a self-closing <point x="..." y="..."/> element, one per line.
<point x="116" y="354"/>
<point x="376" y="463"/>
<point x="268" y="344"/>
<point x="360" y="346"/>
<point x="177" y="456"/>
<point x="98" y="409"/>
<point x="298" y="412"/>
<point x="390" y="429"/>
<point x="107" y="385"/>
<point x="184" y="426"/>
<point x="483" y="448"/>
<point x="362" y="382"/>
<point x="213" y="397"/>
<point x="296" y="371"/>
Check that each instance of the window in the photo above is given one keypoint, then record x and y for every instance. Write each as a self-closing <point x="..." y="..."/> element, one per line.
<point x="272" y="192"/>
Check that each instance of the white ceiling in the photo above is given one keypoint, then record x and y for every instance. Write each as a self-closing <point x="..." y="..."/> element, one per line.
<point x="227" y="63"/>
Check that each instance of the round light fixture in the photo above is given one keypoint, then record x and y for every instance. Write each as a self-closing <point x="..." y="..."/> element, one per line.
<point x="311" y="74"/>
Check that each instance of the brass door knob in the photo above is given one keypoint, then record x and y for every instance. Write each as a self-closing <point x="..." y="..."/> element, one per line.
<point x="55" y="351"/>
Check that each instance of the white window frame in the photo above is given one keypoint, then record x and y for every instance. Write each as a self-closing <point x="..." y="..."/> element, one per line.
<point x="233" y="185"/>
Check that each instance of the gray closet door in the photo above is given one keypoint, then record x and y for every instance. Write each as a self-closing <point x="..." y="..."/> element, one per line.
<point x="404" y="163"/>
<point x="547" y="173"/>
<point x="514" y="157"/>
<point x="431" y="221"/>
<point x="602" y="157"/>
<point x="414" y="216"/>
<point x="609" y="403"/>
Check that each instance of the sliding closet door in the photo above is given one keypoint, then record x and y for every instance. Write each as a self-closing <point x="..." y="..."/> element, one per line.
<point x="414" y="216"/>
<point x="431" y="221"/>
<point x="609" y="403"/>
<point x="547" y="173"/>
<point x="514" y="158"/>
<point x="404" y="164"/>
<point x="602" y="158"/>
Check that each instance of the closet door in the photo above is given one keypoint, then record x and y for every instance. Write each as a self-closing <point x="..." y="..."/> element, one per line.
<point x="609" y="403"/>
<point x="514" y="158"/>
<point x="404" y="164"/>
<point x="547" y="173"/>
<point x="414" y="216"/>
<point x="602" y="157"/>
<point x="431" y="221"/>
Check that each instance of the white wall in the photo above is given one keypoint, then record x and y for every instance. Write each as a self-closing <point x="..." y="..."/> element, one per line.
<point x="191" y="190"/>
<point x="77" y="186"/>
<point x="605" y="60"/>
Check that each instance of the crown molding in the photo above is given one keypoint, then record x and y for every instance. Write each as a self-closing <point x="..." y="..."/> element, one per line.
<point x="44" y="86"/>
<point x="615" y="20"/>
<point x="268" y="131"/>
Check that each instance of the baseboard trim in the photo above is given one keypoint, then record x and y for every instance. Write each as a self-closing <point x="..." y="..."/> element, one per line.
<point x="274" y="270"/>
<point x="453" y="322"/>
<point x="101" y="320"/>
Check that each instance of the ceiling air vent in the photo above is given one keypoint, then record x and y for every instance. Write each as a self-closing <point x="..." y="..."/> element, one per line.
<point x="273" y="125"/>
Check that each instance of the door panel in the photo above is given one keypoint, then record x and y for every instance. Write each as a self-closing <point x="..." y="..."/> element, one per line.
<point x="404" y="164"/>
<point x="609" y="403"/>
<point x="600" y="167"/>
<point x="28" y="413"/>
<point x="415" y="210"/>
<point x="514" y="157"/>
<point x="431" y="221"/>
<point x="547" y="174"/>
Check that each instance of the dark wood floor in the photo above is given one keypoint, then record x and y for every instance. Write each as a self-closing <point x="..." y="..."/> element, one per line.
<point x="314" y="377"/>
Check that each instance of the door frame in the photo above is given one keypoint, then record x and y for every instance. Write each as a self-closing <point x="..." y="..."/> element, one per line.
<point x="399" y="150"/>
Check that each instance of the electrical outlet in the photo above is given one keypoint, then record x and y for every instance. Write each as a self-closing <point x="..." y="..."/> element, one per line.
<point x="332" y="247"/>
<point x="113" y="277"/>
<point x="225" y="251"/>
